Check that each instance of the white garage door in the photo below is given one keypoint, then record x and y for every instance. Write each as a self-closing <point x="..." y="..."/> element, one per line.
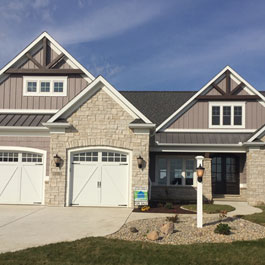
<point x="21" y="177"/>
<point x="99" y="178"/>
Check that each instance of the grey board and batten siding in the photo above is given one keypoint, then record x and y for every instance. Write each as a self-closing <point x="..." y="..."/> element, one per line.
<point x="42" y="143"/>
<point x="11" y="89"/>
<point x="26" y="120"/>
<point x="11" y="94"/>
<point x="197" y="117"/>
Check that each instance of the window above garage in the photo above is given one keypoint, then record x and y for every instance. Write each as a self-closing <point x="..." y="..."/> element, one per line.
<point x="45" y="85"/>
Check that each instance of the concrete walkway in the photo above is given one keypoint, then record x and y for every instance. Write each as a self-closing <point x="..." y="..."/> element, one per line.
<point x="241" y="208"/>
<point x="29" y="226"/>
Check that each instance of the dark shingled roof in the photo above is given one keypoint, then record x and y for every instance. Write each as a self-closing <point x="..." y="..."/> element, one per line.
<point x="137" y="121"/>
<point x="201" y="138"/>
<point x="157" y="106"/>
<point x="29" y="120"/>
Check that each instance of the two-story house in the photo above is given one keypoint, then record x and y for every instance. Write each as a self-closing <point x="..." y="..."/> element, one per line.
<point x="69" y="138"/>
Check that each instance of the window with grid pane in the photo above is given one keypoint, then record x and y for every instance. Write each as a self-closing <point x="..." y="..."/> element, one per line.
<point x="226" y="115"/>
<point x="113" y="157"/>
<point x="31" y="86"/>
<point x="86" y="157"/>
<point x="58" y="87"/>
<point x="162" y="171"/>
<point x="176" y="171"/>
<point x="189" y="172"/>
<point x="215" y="115"/>
<point x="45" y="87"/>
<point x="8" y="157"/>
<point x="31" y="158"/>
<point x="237" y="115"/>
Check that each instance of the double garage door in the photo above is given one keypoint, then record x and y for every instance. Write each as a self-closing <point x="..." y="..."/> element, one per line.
<point x="21" y="177"/>
<point x="99" y="178"/>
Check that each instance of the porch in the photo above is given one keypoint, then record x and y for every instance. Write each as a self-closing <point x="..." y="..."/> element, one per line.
<point x="173" y="176"/>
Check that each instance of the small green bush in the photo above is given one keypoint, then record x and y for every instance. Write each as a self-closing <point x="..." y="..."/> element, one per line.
<point x="174" y="219"/>
<point x="169" y="205"/>
<point x="223" y="229"/>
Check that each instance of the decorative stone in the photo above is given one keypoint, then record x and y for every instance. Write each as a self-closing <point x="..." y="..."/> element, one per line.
<point x="153" y="235"/>
<point x="133" y="229"/>
<point x="167" y="228"/>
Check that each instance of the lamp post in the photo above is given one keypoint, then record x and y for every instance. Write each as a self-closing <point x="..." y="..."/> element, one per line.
<point x="200" y="172"/>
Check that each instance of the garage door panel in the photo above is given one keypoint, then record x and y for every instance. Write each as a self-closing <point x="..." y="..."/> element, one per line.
<point x="85" y="181"/>
<point x="31" y="183"/>
<point x="9" y="184"/>
<point x="114" y="185"/>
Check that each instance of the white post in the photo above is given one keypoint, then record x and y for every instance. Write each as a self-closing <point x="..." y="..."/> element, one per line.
<point x="199" y="195"/>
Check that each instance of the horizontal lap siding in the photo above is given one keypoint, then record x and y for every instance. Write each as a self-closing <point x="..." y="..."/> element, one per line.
<point x="42" y="143"/>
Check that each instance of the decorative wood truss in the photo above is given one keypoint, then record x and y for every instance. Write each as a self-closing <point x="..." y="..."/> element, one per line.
<point x="44" y="68"/>
<point x="228" y="94"/>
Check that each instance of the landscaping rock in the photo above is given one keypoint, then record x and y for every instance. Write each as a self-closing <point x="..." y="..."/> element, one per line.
<point x="167" y="228"/>
<point x="153" y="235"/>
<point x="133" y="229"/>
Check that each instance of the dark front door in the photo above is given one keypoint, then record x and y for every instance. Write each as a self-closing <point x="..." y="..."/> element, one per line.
<point x="225" y="174"/>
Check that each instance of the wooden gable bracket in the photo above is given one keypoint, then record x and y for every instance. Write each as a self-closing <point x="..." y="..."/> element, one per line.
<point x="44" y="69"/>
<point x="228" y="95"/>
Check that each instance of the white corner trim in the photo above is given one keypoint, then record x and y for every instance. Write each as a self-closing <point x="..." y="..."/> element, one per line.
<point x="236" y="75"/>
<point x="211" y="130"/>
<point x="111" y="91"/>
<point x="243" y="185"/>
<point x="29" y="111"/>
<point x="56" y="44"/>
<point x="260" y="131"/>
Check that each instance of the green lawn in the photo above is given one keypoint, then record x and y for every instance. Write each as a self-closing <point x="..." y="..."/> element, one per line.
<point x="210" y="208"/>
<point x="258" y="218"/>
<point x="108" y="251"/>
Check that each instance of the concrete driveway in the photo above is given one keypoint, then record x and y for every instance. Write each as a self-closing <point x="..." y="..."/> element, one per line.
<point x="28" y="226"/>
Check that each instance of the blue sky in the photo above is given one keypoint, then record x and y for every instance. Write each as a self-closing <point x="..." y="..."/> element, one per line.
<point x="145" y="44"/>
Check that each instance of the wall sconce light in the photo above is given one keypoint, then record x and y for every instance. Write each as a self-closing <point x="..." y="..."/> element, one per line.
<point x="200" y="172"/>
<point x="140" y="161"/>
<point x="57" y="160"/>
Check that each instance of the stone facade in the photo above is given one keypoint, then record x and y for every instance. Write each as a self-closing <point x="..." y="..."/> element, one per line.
<point x="256" y="176"/>
<point x="207" y="179"/>
<point x="99" y="122"/>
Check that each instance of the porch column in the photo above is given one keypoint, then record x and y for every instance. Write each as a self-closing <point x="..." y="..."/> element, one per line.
<point x="199" y="196"/>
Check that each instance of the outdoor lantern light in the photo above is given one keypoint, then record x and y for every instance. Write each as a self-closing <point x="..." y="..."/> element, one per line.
<point x="140" y="161"/>
<point x="200" y="172"/>
<point x="57" y="160"/>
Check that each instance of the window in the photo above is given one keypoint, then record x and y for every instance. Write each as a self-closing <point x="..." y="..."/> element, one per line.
<point x="216" y="115"/>
<point x="45" y="86"/>
<point x="8" y="157"/>
<point x="86" y="156"/>
<point x="227" y="115"/>
<point x="113" y="157"/>
<point x="32" y="86"/>
<point x="58" y="87"/>
<point x="175" y="171"/>
<point x="31" y="157"/>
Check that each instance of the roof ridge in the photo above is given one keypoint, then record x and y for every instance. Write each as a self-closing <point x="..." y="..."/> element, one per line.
<point x="178" y="91"/>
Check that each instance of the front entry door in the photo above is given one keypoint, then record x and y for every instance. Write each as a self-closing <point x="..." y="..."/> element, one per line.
<point x="225" y="174"/>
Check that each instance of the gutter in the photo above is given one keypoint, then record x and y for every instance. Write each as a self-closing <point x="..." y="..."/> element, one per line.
<point x="204" y="145"/>
<point x="56" y="124"/>
<point x="142" y="125"/>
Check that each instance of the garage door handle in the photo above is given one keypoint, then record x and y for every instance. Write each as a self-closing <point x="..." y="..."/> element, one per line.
<point x="123" y="164"/>
<point x="99" y="184"/>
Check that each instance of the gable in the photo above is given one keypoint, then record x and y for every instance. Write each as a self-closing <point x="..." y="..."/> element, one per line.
<point x="227" y="86"/>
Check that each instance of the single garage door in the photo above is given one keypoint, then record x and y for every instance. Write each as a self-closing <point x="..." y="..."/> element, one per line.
<point x="99" y="178"/>
<point x="21" y="178"/>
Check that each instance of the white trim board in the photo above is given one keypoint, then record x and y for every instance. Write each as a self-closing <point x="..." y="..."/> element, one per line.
<point x="24" y="131"/>
<point x="54" y="43"/>
<point x="97" y="84"/>
<point x="259" y="132"/>
<point x="172" y="117"/>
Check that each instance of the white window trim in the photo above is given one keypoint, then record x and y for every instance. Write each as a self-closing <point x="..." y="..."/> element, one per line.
<point x="183" y="174"/>
<point x="40" y="79"/>
<point x="232" y="105"/>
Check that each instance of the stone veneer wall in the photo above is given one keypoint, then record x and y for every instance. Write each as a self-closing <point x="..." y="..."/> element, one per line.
<point x="256" y="176"/>
<point x="99" y="122"/>
<point x="207" y="179"/>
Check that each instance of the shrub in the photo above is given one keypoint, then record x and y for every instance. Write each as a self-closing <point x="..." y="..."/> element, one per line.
<point x="169" y="205"/>
<point x="173" y="219"/>
<point x="223" y="229"/>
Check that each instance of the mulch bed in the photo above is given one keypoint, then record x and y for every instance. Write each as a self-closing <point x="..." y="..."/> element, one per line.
<point x="155" y="209"/>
